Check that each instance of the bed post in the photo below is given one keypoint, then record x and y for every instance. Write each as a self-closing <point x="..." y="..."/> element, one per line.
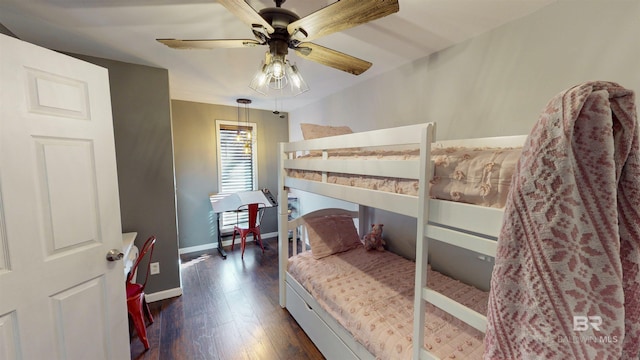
<point x="422" y="249"/>
<point x="364" y="220"/>
<point x="283" y="227"/>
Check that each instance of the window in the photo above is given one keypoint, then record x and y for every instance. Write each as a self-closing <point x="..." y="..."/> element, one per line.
<point x="237" y="170"/>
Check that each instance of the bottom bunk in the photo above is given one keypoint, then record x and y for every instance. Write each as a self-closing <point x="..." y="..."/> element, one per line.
<point x="359" y="304"/>
<point x="332" y="339"/>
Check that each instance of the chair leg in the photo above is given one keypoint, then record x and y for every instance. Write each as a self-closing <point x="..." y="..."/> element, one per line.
<point x="243" y="243"/>
<point x="135" y="310"/>
<point x="233" y="240"/>
<point x="259" y="239"/>
<point x="147" y="311"/>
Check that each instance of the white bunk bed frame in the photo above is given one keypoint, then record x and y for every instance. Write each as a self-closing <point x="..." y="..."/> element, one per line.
<point x="440" y="220"/>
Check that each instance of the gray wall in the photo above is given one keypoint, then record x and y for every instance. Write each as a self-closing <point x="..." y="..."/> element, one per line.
<point x="194" y="132"/>
<point x="144" y="154"/>
<point x="495" y="84"/>
<point x="5" y="31"/>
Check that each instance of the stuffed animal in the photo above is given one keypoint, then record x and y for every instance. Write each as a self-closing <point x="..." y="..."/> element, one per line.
<point x="373" y="240"/>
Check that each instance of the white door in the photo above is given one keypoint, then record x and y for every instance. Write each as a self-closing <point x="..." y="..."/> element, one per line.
<point x="59" y="210"/>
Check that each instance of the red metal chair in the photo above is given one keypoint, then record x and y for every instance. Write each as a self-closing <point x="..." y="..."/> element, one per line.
<point x="255" y="213"/>
<point x="136" y="304"/>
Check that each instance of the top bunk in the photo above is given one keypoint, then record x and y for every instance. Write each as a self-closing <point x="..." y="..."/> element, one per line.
<point x="393" y="163"/>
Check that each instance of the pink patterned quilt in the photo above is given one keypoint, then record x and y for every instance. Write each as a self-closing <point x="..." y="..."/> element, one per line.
<point x="480" y="176"/>
<point x="566" y="283"/>
<point x="370" y="293"/>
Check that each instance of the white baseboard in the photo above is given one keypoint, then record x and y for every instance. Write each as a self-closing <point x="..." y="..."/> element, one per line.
<point x="197" y="248"/>
<point x="162" y="295"/>
<point x="226" y="241"/>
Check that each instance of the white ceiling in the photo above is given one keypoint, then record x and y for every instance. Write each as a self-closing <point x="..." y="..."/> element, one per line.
<point x="126" y="30"/>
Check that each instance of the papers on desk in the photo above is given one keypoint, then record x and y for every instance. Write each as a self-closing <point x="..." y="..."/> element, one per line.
<point x="231" y="201"/>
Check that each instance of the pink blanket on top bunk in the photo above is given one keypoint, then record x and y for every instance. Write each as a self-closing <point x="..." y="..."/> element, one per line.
<point x="566" y="283"/>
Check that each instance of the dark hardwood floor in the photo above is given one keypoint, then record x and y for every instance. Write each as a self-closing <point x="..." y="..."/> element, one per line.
<point x="229" y="310"/>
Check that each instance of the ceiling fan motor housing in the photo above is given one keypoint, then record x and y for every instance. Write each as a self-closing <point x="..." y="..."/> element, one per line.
<point x="279" y="18"/>
<point x="280" y="39"/>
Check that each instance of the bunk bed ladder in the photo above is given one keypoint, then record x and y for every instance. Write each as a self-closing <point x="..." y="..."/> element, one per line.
<point x="427" y="231"/>
<point x="467" y="241"/>
<point x="470" y="242"/>
<point x="283" y="221"/>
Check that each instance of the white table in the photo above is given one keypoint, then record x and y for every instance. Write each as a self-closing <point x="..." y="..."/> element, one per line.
<point x="129" y="250"/>
<point x="223" y="202"/>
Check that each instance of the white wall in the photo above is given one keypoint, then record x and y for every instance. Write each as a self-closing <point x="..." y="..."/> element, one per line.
<point x="495" y="84"/>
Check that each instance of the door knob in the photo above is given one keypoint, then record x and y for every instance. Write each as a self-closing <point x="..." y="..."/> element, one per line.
<point x="114" y="255"/>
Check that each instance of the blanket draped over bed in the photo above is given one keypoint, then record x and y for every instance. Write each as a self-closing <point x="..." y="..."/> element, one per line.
<point x="566" y="282"/>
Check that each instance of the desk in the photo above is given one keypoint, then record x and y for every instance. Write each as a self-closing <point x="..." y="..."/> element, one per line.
<point x="223" y="202"/>
<point x="129" y="250"/>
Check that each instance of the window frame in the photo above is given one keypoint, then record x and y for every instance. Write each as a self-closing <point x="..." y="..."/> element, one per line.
<point x="226" y="225"/>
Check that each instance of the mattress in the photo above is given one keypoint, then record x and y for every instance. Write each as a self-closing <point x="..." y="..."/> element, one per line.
<point x="480" y="176"/>
<point x="370" y="293"/>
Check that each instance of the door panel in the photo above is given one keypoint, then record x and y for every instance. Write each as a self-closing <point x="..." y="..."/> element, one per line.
<point x="53" y="94"/>
<point x="67" y="305"/>
<point x="68" y="192"/>
<point x="59" y="210"/>
<point x="8" y="336"/>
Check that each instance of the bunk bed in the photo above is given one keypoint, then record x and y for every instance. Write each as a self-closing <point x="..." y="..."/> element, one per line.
<point x="442" y="220"/>
<point x="568" y="253"/>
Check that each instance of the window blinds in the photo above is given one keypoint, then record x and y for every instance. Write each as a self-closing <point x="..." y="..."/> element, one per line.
<point x="236" y="164"/>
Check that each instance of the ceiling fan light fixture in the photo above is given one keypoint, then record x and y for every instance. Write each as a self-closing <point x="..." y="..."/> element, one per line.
<point x="277" y="68"/>
<point x="260" y="80"/>
<point x="278" y="77"/>
<point x="298" y="85"/>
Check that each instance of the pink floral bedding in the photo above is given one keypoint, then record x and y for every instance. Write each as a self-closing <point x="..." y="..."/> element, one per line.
<point x="480" y="176"/>
<point x="370" y="293"/>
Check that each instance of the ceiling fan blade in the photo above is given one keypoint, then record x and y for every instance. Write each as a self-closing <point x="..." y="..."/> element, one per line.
<point x="208" y="44"/>
<point x="340" y="15"/>
<point x="246" y="13"/>
<point x="333" y="58"/>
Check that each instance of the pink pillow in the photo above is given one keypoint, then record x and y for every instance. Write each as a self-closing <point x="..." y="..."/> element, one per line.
<point x="314" y="131"/>
<point x="331" y="234"/>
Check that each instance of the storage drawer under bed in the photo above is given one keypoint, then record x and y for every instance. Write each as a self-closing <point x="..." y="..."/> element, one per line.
<point x="319" y="331"/>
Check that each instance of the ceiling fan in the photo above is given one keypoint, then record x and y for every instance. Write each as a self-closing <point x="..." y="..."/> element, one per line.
<point x="282" y="30"/>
